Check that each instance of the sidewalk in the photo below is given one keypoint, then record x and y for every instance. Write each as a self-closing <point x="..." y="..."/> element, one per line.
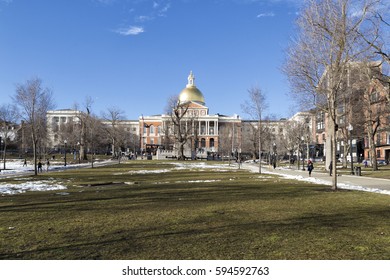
<point x="344" y="181"/>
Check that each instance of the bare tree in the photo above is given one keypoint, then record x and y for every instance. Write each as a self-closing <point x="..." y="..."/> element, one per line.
<point x="291" y="139"/>
<point x="375" y="114"/>
<point x="225" y="139"/>
<point x="113" y="116"/>
<point x="94" y="131"/>
<point x="183" y="123"/>
<point x="182" y="132"/>
<point x="250" y="141"/>
<point x="34" y="101"/>
<point x="81" y="131"/>
<point x="328" y="41"/>
<point x="8" y="117"/>
<point x="255" y="107"/>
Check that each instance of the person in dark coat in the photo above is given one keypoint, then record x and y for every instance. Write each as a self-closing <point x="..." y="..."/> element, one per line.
<point x="310" y="167"/>
<point x="330" y="168"/>
<point x="39" y="166"/>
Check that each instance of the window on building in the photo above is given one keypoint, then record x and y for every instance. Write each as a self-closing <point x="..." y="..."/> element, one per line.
<point x="211" y="128"/>
<point x="320" y="121"/>
<point x="388" y="138"/>
<point x="202" y="128"/>
<point x="211" y="142"/>
<point x="63" y="119"/>
<point x="203" y="143"/>
<point x="378" y="139"/>
<point x="54" y="127"/>
<point x="159" y="129"/>
<point x="378" y="153"/>
<point x="56" y="119"/>
<point x="151" y="129"/>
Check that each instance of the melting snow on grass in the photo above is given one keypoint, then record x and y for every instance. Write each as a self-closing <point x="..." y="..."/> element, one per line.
<point x="323" y="182"/>
<point x="203" y="165"/>
<point x="29" y="186"/>
<point x="198" y="181"/>
<point x="144" y="172"/>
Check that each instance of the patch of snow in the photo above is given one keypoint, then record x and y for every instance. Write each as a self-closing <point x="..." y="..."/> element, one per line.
<point x="198" y="181"/>
<point x="148" y="171"/>
<point x="15" y="167"/>
<point x="323" y="182"/>
<point x="29" y="186"/>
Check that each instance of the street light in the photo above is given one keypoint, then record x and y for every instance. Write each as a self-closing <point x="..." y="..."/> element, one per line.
<point x="274" y="155"/>
<point x="65" y="142"/>
<point x="1" y="144"/>
<point x="78" y="145"/>
<point x="303" y="153"/>
<point x="350" y="128"/>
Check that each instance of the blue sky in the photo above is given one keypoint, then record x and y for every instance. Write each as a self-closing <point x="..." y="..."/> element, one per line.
<point x="135" y="54"/>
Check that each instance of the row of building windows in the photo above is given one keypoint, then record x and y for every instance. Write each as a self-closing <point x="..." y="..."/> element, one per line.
<point x="202" y="142"/>
<point x="203" y="129"/>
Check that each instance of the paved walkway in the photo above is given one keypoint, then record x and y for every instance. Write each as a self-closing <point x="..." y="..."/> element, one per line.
<point x="351" y="181"/>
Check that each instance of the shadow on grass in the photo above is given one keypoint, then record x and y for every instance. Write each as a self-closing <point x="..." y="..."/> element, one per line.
<point x="165" y="217"/>
<point x="311" y="237"/>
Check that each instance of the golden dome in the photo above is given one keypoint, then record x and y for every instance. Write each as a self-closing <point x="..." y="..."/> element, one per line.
<point x="191" y="92"/>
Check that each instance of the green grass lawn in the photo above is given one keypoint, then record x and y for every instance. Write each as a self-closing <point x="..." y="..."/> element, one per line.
<point x="123" y="212"/>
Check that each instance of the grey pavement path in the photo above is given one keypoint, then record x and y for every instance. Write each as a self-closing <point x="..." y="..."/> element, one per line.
<point x="349" y="180"/>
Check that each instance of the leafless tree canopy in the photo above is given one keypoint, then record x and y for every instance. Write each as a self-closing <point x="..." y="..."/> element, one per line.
<point x="328" y="40"/>
<point x="255" y="107"/>
<point x="113" y="116"/>
<point x="34" y="101"/>
<point x="8" y="117"/>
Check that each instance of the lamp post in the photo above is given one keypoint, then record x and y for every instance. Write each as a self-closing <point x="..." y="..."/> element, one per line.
<point x="274" y="156"/>
<point x="1" y="144"/>
<point x="65" y="142"/>
<point x="78" y="145"/>
<point x="303" y="154"/>
<point x="350" y="128"/>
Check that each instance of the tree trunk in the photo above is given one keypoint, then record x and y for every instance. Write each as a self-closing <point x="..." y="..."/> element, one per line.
<point x="83" y="154"/>
<point x="373" y="157"/>
<point x="372" y="148"/>
<point x="35" y="155"/>
<point x="4" y="153"/>
<point x="181" y="151"/>
<point x="334" y="159"/>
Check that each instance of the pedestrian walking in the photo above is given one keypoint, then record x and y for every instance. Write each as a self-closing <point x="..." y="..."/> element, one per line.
<point x="47" y="165"/>
<point x="39" y="166"/>
<point x="310" y="167"/>
<point x="330" y="168"/>
<point x="25" y="163"/>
